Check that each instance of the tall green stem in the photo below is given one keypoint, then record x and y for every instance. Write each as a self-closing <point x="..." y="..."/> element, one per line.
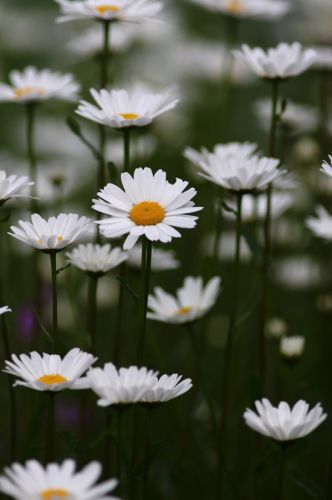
<point x="119" y="447"/>
<point x="225" y="401"/>
<point x="92" y="310"/>
<point x="50" y="429"/>
<point x="230" y="40"/>
<point x="145" y="288"/>
<point x="126" y="149"/>
<point x="147" y="461"/>
<point x="30" y="130"/>
<point x="324" y="80"/>
<point x="54" y="300"/>
<point x="282" y="476"/>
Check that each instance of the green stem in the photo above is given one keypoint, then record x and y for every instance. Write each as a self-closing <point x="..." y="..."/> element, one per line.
<point x="219" y="219"/>
<point x="119" y="317"/>
<point x="226" y="83"/>
<point x="54" y="300"/>
<point x="324" y="77"/>
<point x="145" y="288"/>
<point x="282" y="476"/>
<point x="126" y="149"/>
<point x="30" y="130"/>
<point x="92" y="310"/>
<point x="50" y="429"/>
<point x="119" y="447"/>
<point x="225" y="401"/>
<point x="147" y="461"/>
<point x="107" y="443"/>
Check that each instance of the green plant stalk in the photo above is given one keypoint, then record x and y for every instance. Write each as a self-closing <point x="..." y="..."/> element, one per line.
<point x="143" y="300"/>
<point x="126" y="149"/>
<point x="54" y="299"/>
<point x="92" y="311"/>
<point x="50" y="429"/>
<point x="324" y="80"/>
<point x="147" y="461"/>
<point x="282" y="475"/>
<point x="31" y="153"/>
<point x="225" y="399"/>
<point x="119" y="447"/>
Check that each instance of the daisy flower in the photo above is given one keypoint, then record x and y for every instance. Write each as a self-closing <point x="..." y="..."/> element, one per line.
<point x="96" y="259"/>
<point x="221" y="151"/>
<point x="33" y="85"/>
<point x="53" y="234"/>
<point x="292" y="347"/>
<point x="148" y="205"/>
<point x="191" y="302"/>
<point x="165" y="388"/>
<point x="33" y="481"/>
<point x="121" y="109"/>
<point x="267" y="10"/>
<point x="327" y="167"/>
<point x="11" y="186"/>
<point x="282" y="62"/>
<point x="321" y="225"/>
<point x="4" y="310"/>
<point x="48" y="372"/>
<point x="283" y="423"/>
<point x="108" y="10"/>
<point x="162" y="260"/>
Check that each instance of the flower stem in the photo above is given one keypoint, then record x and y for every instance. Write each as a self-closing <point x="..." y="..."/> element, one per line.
<point x="324" y="77"/>
<point x="230" y="40"/>
<point x="92" y="310"/>
<point x="126" y="149"/>
<point x="119" y="446"/>
<point x="50" y="429"/>
<point x="282" y="476"/>
<point x="119" y="316"/>
<point x="147" y="461"/>
<point x="54" y="300"/>
<point x="228" y="355"/>
<point x="145" y="288"/>
<point x="30" y="130"/>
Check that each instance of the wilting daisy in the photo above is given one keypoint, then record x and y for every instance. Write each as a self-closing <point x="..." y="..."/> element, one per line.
<point x="283" y="423"/>
<point x="267" y="10"/>
<point x="108" y="10"/>
<point x="191" y="302"/>
<point x="162" y="260"/>
<point x="148" y="205"/>
<point x="165" y="388"/>
<point x="50" y="372"/>
<point x="53" y="234"/>
<point x="33" y="85"/>
<point x="11" y="186"/>
<point x="96" y="259"/>
<point x="281" y="62"/>
<point x="33" y="481"/>
<point x="121" y="109"/>
<point x="4" y="310"/>
<point x="236" y="150"/>
<point x="292" y="347"/>
<point x="321" y="225"/>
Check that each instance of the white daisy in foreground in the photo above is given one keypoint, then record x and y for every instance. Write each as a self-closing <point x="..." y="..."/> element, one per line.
<point x="327" y="167"/>
<point x="148" y="205"/>
<point x="33" y="85"/>
<point x="283" y="423"/>
<point x="281" y="62"/>
<point x="292" y="347"/>
<point x="12" y="186"/>
<point x="191" y="302"/>
<point x="48" y="372"/>
<point x="4" y="310"/>
<point x="96" y="259"/>
<point x="33" y="481"/>
<point x="267" y="10"/>
<point x="321" y="225"/>
<point x="108" y="10"/>
<point x="121" y="109"/>
<point x="236" y="150"/>
<point x="162" y="260"/>
<point x="53" y="234"/>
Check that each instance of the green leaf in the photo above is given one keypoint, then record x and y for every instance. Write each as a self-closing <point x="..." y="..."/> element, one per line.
<point x="76" y="129"/>
<point x="253" y="244"/>
<point x="312" y="489"/>
<point x="42" y="327"/>
<point x="58" y="271"/>
<point x="126" y="285"/>
<point x="228" y="208"/>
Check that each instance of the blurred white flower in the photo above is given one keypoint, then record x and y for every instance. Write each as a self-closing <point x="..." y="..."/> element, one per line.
<point x="148" y="206"/>
<point x="281" y="62"/>
<point x="12" y="186"/>
<point x="292" y="347"/>
<point x="283" y="423"/>
<point x="267" y="10"/>
<point x="108" y="10"/>
<point x="237" y="150"/>
<point x="321" y="225"/>
<point x="254" y="207"/>
<point x="96" y="259"/>
<point x="33" y="481"/>
<point x="90" y="42"/>
<point x="191" y="302"/>
<point x="298" y="272"/>
<point x="50" y="372"/>
<point x="226" y="247"/>
<point x="276" y="327"/>
<point x="162" y="260"/>
<point x="33" y="85"/>
<point x="121" y="109"/>
<point x="4" y="310"/>
<point x="327" y="167"/>
<point x="323" y="58"/>
<point x="53" y="234"/>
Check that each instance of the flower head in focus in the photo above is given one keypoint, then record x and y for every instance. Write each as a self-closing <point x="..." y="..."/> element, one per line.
<point x="121" y="109"/>
<point x="96" y="259"/>
<point x="33" y="481"/>
<point x="11" y="186"/>
<point x="50" y="372"/>
<point x="283" y="423"/>
<point x="4" y="310"/>
<point x="148" y="205"/>
<point x="266" y="10"/>
<point x="165" y="388"/>
<point x="191" y="302"/>
<point x="33" y="85"/>
<point x="292" y="347"/>
<point x="162" y="260"/>
<point x="53" y="234"/>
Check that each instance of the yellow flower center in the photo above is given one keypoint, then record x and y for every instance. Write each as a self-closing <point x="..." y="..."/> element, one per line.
<point x="183" y="310"/>
<point x="147" y="213"/>
<point x="54" y="494"/>
<point x="26" y="91"/>
<point x="60" y="238"/>
<point x="52" y="379"/>
<point x="235" y="6"/>
<point x="129" y="116"/>
<point x="103" y="9"/>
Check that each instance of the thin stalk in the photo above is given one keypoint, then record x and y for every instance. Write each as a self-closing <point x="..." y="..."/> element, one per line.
<point x="145" y="288"/>
<point x="324" y="77"/>
<point x="147" y="461"/>
<point x="92" y="310"/>
<point x="31" y="153"/>
<point x="107" y="443"/>
<point x="119" y="447"/>
<point x="282" y="476"/>
<point x="50" y="429"/>
<point x="126" y="149"/>
<point x="226" y="82"/>
<point x="54" y="299"/>
<point x="225" y="401"/>
<point x="119" y="317"/>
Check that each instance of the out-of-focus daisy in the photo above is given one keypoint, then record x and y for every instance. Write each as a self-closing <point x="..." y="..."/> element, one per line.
<point x="121" y="109"/>
<point x="53" y="234"/>
<point x="299" y="272"/>
<point x="226" y="247"/>
<point x="192" y="301"/>
<point x="4" y="310"/>
<point x="165" y="388"/>
<point x="162" y="260"/>
<point x="276" y="327"/>
<point x="12" y="186"/>
<point x="90" y="42"/>
<point x="33" y="481"/>
<point x="108" y="10"/>
<point x="96" y="259"/>
<point x="292" y="347"/>
<point x="267" y="10"/>
<point x="283" y="423"/>
<point x="254" y="207"/>
<point x="33" y="85"/>
<point x="327" y="167"/>
<point x="50" y="372"/>
<point x="148" y="205"/>
<point x="282" y="62"/>
<point x="321" y="225"/>
<point x="221" y="152"/>
<point x="323" y="58"/>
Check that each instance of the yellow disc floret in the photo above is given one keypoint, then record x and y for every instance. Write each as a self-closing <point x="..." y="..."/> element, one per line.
<point x="235" y="6"/>
<point x="129" y="116"/>
<point x="147" y="213"/>
<point x="54" y="493"/>
<point x="27" y="91"/>
<point x="52" y="379"/>
<point x="104" y="9"/>
<point x="183" y="310"/>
